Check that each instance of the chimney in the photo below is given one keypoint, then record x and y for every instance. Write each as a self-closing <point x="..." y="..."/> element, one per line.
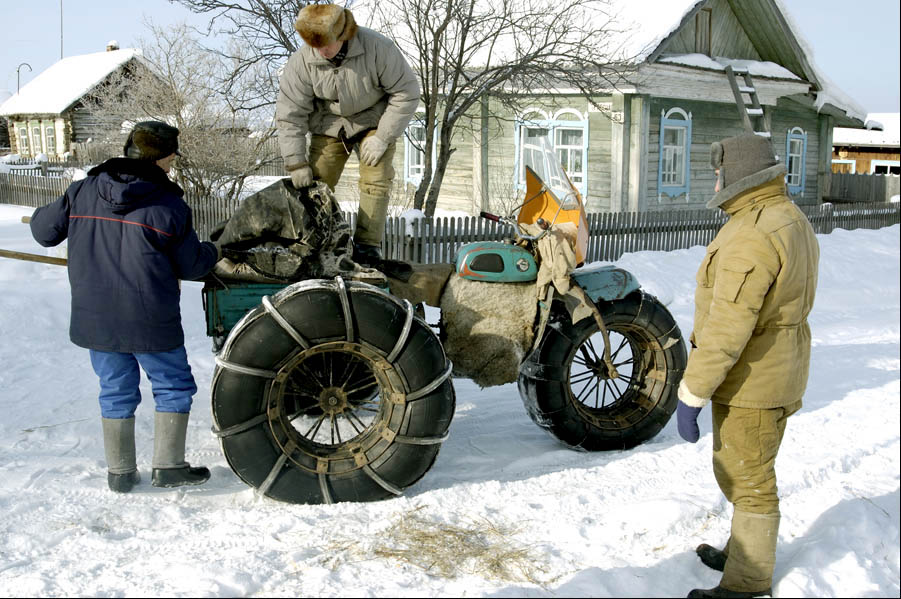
<point x="112" y="45"/>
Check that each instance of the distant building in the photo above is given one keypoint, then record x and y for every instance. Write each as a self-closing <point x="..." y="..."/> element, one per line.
<point x="869" y="151"/>
<point x="48" y="114"/>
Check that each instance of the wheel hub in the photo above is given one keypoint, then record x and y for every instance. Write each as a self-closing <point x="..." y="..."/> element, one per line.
<point x="332" y="400"/>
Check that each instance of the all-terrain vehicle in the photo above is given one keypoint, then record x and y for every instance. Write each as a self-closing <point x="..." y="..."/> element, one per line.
<point x="331" y="389"/>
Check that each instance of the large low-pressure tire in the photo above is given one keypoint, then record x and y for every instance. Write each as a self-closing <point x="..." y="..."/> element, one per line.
<point x="331" y="391"/>
<point x="567" y="389"/>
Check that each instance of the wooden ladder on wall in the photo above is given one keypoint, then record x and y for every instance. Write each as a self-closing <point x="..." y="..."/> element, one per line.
<point x="750" y="110"/>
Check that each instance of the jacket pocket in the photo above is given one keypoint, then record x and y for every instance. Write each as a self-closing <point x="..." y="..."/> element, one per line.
<point x="731" y="278"/>
<point x="704" y="276"/>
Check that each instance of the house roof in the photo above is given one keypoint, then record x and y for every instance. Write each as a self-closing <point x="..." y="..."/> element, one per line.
<point x="65" y="82"/>
<point x="888" y="137"/>
<point x="770" y="29"/>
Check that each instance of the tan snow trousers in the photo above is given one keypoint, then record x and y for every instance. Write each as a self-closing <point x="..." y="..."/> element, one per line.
<point x="328" y="155"/>
<point x="745" y="444"/>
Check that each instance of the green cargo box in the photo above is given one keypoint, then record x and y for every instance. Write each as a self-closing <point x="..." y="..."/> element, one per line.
<point x="226" y="305"/>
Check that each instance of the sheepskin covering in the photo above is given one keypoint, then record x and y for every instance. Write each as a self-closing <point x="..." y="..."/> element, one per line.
<point x="488" y="328"/>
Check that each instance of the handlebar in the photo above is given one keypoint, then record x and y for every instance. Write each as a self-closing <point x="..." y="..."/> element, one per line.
<point x="507" y="220"/>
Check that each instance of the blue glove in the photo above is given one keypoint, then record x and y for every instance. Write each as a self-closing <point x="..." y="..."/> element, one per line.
<point x="687" y="419"/>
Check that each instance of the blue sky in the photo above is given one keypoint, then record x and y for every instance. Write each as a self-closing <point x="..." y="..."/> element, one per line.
<point x="856" y="45"/>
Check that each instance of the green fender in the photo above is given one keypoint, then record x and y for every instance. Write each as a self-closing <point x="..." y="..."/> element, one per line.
<point x="607" y="283"/>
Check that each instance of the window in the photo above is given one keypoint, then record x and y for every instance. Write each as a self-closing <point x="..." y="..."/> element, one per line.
<point x="848" y="167"/>
<point x="795" y="153"/>
<point x="567" y="134"/>
<point x="885" y="167"/>
<point x="23" y="141"/>
<point x="50" y="134"/>
<point x="673" y="173"/>
<point x="414" y="151"/>
<point x="36" y="140"/>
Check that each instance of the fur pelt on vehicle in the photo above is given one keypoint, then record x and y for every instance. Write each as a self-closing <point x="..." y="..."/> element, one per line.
<point x="488" y="328"/>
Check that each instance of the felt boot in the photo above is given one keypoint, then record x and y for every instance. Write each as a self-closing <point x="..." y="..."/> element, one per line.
<point x="119" y="446"/>
<point x="169" y="466"/>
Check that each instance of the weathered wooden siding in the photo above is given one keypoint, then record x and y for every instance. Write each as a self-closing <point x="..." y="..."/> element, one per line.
<point x="788" y="115"/>
<point x="728" y="38"/>
<point x="714" y="121"/>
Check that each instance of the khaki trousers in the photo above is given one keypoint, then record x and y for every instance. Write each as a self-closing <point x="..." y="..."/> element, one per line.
<point x="745" y="444"/>
<point x="328" y="155"/>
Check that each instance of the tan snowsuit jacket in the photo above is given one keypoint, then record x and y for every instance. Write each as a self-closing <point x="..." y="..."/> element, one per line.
<point x="373" y="88"/>
<point x="756" y="287"/>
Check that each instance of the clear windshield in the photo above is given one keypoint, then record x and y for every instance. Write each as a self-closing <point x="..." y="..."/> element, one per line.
<point x="539" y="155"/>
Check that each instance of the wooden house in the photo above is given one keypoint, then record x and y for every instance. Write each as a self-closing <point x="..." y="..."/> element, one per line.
<point x="875" y="150"/>
<point x="646" y="145"/>
<point x="48" y="115"/>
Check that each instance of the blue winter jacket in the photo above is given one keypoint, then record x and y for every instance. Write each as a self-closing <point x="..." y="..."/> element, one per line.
<point x="130" y="241"/>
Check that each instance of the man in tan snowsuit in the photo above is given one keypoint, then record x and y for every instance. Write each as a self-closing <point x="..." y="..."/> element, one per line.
<point x="751" y="352"/>
<point x="351" y="89"/>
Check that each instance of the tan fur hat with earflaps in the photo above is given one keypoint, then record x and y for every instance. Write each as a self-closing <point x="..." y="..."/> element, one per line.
<point x="322" y="24"/>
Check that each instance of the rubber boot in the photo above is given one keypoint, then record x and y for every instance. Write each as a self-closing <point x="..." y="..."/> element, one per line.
<point x="752" y="557"/>
<point x="119" y="446"/>
<point x="169" y="466"/>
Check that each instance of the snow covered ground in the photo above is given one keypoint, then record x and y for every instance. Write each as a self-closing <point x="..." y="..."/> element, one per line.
<point x="547" y="521"/>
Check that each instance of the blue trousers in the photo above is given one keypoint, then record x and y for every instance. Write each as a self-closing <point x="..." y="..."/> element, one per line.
<point x="169" y="374"/>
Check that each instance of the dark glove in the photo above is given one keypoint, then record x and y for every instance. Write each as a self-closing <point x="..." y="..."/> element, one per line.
<point x="687" y="419"/>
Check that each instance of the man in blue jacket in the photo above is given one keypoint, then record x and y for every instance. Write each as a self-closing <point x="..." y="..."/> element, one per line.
<point x="130" y="241"/>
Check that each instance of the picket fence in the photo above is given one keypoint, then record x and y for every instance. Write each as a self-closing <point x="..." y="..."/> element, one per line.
<point x="437" y="240"/>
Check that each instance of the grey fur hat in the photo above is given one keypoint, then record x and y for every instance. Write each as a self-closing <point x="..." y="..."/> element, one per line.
<point x="745" y="161"/>
<point x="151" y="140"/>
<point x="323" y="24"/>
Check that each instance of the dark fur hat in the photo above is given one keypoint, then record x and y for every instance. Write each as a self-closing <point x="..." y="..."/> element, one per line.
<point x="323" y="24"/>
<point x="151" y="140"/>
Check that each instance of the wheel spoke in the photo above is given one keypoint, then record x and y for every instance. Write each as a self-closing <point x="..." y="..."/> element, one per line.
<point x="311" y="374"/>
<point x="367" y="409"/>
<point x="299" y="413"/>
<point x="618" y="349"/>
<point x="350" y="420"/>
<point x="588" y="388"/>
<point x="582" y="376"/>
<point x="374" y="383"/>
<point x="315" y="428"/>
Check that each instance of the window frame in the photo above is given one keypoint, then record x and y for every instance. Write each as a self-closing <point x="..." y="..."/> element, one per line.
<point x="796" y="134"/>
<point x="552" y="124"/>
<point x="411" y="150"/>
<point x="24" y="141"/>
<point x="37" y="140"/>
<point x="668" y="122"/>
<point x="853" y="164"/>
<point x="50" y="139"/>
<point x="887" y="163"/>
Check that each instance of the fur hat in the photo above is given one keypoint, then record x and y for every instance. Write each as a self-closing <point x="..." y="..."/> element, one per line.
<point x="151" y="140"/>
<point x="323" y="24"/>
<point x="745" y="161"/>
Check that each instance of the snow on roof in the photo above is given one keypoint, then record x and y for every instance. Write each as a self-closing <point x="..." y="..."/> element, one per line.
<point x="65" y="82"/>
<point x="755" y="67"/>
<point x="830" y="92"/>
<point x="890" y="136"/>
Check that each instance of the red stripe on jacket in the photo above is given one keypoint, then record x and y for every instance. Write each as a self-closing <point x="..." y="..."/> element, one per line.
<point x="127" y="222"/>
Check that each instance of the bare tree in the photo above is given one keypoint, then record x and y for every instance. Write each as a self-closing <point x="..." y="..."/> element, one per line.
<point x="177" y="81"/>
<point x="468" y="51"/>
<point x="464" y="52"/>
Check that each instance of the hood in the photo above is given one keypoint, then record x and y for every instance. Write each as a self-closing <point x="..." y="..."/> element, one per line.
<point x="125" y="184"/>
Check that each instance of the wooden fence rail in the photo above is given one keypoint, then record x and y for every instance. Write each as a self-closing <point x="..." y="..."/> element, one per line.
<point x="436" y="240"/>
